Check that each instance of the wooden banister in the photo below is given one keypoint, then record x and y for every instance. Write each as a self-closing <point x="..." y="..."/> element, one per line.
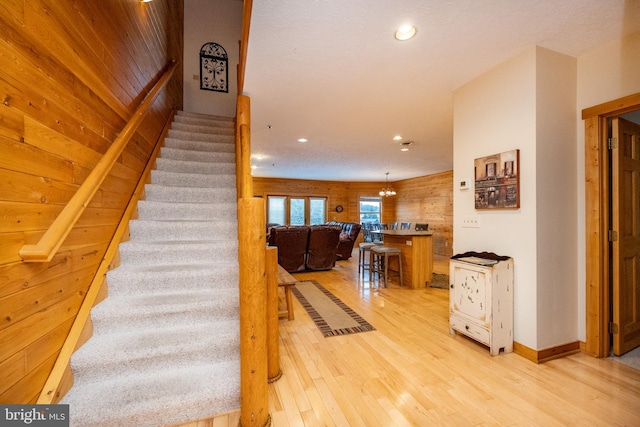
<point x="244" y="43"/>
<point x="53" y="238"/>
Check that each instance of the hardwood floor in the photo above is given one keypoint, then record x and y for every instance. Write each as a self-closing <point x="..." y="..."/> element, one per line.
<point x="411" y="372"/>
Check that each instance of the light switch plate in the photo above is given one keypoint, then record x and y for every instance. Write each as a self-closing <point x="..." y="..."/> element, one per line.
<point x="471" y="221"/>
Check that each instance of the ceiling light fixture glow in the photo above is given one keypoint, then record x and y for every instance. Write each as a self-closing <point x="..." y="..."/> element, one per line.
<point x="303" y="140"/>
<point x="405" y="32"/>
<point x="387" y="190"/>
<point x="397" y="138"/>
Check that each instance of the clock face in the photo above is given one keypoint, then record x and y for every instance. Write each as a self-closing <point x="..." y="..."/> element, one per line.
<point x="339" y="208"/>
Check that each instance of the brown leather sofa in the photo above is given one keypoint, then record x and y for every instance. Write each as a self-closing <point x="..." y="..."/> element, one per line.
<point x="348" y="236"/>
<point x="305" y="248"/>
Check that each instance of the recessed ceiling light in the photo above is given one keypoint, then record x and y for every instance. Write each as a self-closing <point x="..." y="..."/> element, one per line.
<point x="397" y="138"/>
<point x="405" y="32"/>
<point x="303" y="140"/>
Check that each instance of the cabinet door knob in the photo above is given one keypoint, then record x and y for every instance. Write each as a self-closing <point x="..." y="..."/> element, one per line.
<point x="466" y="327"/>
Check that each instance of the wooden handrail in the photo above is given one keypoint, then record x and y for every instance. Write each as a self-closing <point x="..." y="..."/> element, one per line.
<point x="244" y="43"/>
<point x="53" y="238"/>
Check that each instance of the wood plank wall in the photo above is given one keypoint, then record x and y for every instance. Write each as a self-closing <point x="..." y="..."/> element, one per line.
<point x="72" y="74"/>
<point x="427" y="199"/>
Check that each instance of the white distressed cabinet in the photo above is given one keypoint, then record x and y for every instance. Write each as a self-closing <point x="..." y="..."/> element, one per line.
<point x="481" y="301"/>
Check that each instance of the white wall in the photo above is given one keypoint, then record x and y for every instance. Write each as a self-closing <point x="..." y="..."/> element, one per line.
<point x="526" y="103"/>
<point x="604" y="74"/>
<point x="218" y="21"/>
<point x="556" y="176"/>
<point x="495" y="113"/>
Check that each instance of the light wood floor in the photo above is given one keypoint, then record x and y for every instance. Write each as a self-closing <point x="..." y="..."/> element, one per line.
<point x="411" y="372"/>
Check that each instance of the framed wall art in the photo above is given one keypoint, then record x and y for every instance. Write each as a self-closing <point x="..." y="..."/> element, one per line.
<point x="497" y="181"/>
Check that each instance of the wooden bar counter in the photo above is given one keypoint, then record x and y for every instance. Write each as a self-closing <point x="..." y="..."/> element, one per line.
<point x="417" y="255"/>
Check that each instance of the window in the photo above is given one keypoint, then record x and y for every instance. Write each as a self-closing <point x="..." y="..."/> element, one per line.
<point x="276" y="210"/>
<point x="317" y="210"/>
<point x="296" y="210"/>
<point x="370" y="209"/>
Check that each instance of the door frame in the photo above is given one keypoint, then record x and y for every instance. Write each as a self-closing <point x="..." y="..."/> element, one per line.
<point x="597" y="193"/>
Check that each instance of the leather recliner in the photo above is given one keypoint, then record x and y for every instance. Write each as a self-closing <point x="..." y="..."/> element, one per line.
<point x="348" y="236"/>
<point x="304" y="247"/>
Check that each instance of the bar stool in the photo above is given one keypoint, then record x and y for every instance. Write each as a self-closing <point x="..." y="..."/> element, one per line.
<point x="379" y="261"/>
<point x="363" y="265"/>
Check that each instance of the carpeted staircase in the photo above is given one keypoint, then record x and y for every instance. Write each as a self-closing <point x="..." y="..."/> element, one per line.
<point x="165" y="346"/>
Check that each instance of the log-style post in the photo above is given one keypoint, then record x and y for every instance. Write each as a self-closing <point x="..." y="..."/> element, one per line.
<point x="273" y="326"/>
<point x="254" y="409"/>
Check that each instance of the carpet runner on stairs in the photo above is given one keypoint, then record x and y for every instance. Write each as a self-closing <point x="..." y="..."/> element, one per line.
<point x="165" y="344"/>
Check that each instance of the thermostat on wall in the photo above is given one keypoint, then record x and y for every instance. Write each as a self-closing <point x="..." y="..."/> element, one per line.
<point x="464" y="184"/>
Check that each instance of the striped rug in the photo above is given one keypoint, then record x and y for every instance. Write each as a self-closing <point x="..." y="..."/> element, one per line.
<point x="331" y="316"/>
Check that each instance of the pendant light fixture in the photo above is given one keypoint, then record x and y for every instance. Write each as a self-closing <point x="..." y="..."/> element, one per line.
<point x="387" y="191"/>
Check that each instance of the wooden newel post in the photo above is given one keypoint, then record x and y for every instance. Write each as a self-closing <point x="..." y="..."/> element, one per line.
<point x="254" y="409"/>
<point x="273" y="326"/>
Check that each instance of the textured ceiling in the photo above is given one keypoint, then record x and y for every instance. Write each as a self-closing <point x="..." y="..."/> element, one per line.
<point x="331" y="71"/>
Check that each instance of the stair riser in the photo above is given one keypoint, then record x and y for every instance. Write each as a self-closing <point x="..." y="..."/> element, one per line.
<point x="192" y="136"/>
<point x="207" y="168"/>
<point x="185" y="211"/>
<point x="173" y="179"/>
<point x="225" y="145"/>
<point x="213" y="130"/>
<point x="163" y="193"/>
<point x="176" y="256"/>
<point x="162" y="317"/>
<point x="229" y="124"/>
<point x="181" y="230"/>
<point x="133" y="282"/>
<point x="197" y="156"/>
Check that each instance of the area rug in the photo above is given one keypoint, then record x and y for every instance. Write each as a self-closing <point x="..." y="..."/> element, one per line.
<point x="331" y="316"/>
<point x="439" y="281"/>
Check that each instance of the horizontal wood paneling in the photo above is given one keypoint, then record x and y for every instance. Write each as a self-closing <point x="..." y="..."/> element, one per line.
<point x="72" y="74"/>
<point x="427" y="199"/>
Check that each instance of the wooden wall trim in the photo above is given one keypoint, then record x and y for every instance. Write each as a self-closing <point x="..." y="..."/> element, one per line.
<point x="613" y="108"/>
<point x="541" y="356"/>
